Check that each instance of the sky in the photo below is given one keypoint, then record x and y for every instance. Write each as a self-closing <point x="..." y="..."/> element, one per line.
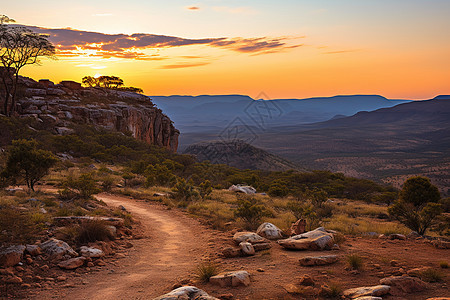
<point x="399" y="49"/>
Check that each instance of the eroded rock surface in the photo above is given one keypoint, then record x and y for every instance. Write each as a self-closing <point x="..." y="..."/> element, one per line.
<point x="318" y="239"/>
<point x="318" y="260"/>
<point x="57" y="249"/>
<point x="235" y="278"/>
<point x="269" y="231"/>
<point x="357" y="293"/>
<point x="186" y="293"/>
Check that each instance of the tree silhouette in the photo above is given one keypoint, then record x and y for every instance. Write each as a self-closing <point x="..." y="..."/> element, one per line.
<point x="19" y="46"/>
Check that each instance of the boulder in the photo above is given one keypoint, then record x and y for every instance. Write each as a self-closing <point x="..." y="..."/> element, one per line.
<point x="91" y="252"/>
<point x="355" y="293"/>
<point x="369" y="298"/>
<point x="298" y="227"/>
<point x="57" y="249"/>
<point x="235" y="278"/>
<point x="72" y="263"/>
<point x="269" y="231"/>
<point x="246" y="189"/>
<point x="318" y="260"/>
<point x="250" y="237"/>
<point x="317" y="239"/>
<point x="307" y="280"/>
<point x="186" y="293"/>
<point x="11" y="256"/>
<point x="262" y="246"/>
<point x="405" y="284"/>
<point x="34" y="250"/>
<point x="230" y="252"/>
<point x="247" y="248"/>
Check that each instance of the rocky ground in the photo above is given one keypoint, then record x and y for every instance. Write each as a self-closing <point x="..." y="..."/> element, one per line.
<point x="172" y="245"/>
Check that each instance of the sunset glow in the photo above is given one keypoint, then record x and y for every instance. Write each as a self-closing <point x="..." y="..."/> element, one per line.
<point x="287" y="49"/>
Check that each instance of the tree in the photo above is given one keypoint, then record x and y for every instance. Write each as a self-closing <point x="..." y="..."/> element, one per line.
<point x="184" y="191"/>
<point x="27" y="162"/>
<point x="417" y="205"/>
<point x="109" y="82"/>
<point x="19" y="46"/>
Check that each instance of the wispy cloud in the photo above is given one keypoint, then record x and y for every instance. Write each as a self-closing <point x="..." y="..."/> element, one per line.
<point x="70" y="42"/>
<point x="193" y="7"/>
<point x="184" y="65"/>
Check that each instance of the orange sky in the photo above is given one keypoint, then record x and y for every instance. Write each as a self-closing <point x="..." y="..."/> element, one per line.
<point x="398" y="49"/>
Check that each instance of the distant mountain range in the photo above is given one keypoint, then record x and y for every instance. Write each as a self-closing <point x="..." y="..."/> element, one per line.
<point x="214" y="113"/>
<point x="240" y="155"/>
<point x="387" y="144"/>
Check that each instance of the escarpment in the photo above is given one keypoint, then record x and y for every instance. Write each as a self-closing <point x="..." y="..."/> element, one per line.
<point x="67" y="103"/>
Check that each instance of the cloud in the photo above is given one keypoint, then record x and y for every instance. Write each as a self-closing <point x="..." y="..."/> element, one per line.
<point x="70" y="42"/>
<point x="184" y="65"/>
<point x="193" y="8"/>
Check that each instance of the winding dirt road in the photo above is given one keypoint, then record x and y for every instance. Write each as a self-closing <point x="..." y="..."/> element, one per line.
<point x="172" y="247"/>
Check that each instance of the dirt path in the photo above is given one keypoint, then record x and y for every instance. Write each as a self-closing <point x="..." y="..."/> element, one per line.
<point x="172" y="247"/>
<point x="174" y="244"/>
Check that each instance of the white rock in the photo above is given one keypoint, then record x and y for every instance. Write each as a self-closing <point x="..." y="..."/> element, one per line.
<point x="247" y="248"/>
<point x="235" y="278"/>
<point x="250" y="237"/>
<point x="242" y="189"/>
<point x="186" y="293"/>
<point x="269" y="231"/>
<point x="317" y="239"/>
<point x="91" y="252"/>
<point x="56" y="249"/>
<point x="378" y="290"/>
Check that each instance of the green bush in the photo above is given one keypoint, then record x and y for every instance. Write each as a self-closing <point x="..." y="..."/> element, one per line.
<point x="431" y="275"/>
<point x="417" y="207"/>
<point x="205" y="189"/>
<point x="184" y="191"/>
<point x="251" y="211"/>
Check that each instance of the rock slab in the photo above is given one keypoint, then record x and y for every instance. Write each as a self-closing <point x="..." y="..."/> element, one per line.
<point x="269" y="231"/>
<point x="317" y="239"/>
<point x="405" y="284"/>
<point x="11" y="256"/>
<point x="318" y="260"/>
<point x="57" y="249"/>
<point x="186" y="293"/>
<point x="235" y="278"/>
<point x="355" y="293"/>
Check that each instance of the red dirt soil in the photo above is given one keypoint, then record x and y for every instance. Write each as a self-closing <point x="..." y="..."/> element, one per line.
<point x="174" y="244"/>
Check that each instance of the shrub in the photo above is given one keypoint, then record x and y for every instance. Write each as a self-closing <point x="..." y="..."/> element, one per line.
<point x="443" y="264"/>
<point x="83" y="187"/>
<point x="107" y="184"/>
<point x="251" y="211"/>
<point x="92" y="231"/>
<point x="205" y="189"/>
<point x="355" y="261"/>
<point x="333" y="290"/>
<point x="417" y="206"/>
<point x="184" y="191"/>
<point x="16" y="226"/>
<point x="431" y="275"/>
<point x="207" y="270"/>
<point x="278" y="189"/>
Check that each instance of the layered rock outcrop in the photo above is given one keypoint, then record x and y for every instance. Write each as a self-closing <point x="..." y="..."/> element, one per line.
<point x="60" y="105"/>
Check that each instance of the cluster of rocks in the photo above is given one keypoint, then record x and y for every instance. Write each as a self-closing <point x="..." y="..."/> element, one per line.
<point x="60" y="105"/>
<point x="20" y="264"/>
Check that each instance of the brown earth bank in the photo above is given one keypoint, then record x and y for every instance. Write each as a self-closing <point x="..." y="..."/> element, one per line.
<point x="174" y="244"/>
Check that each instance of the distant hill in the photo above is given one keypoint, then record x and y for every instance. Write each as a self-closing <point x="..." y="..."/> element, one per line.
<point x="214" y="113"/>
<point x="389" y="144"/>
<point x="240" y="155"/>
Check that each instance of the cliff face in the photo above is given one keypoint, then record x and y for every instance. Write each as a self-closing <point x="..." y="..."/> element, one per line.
<point x="68" y="103"/>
